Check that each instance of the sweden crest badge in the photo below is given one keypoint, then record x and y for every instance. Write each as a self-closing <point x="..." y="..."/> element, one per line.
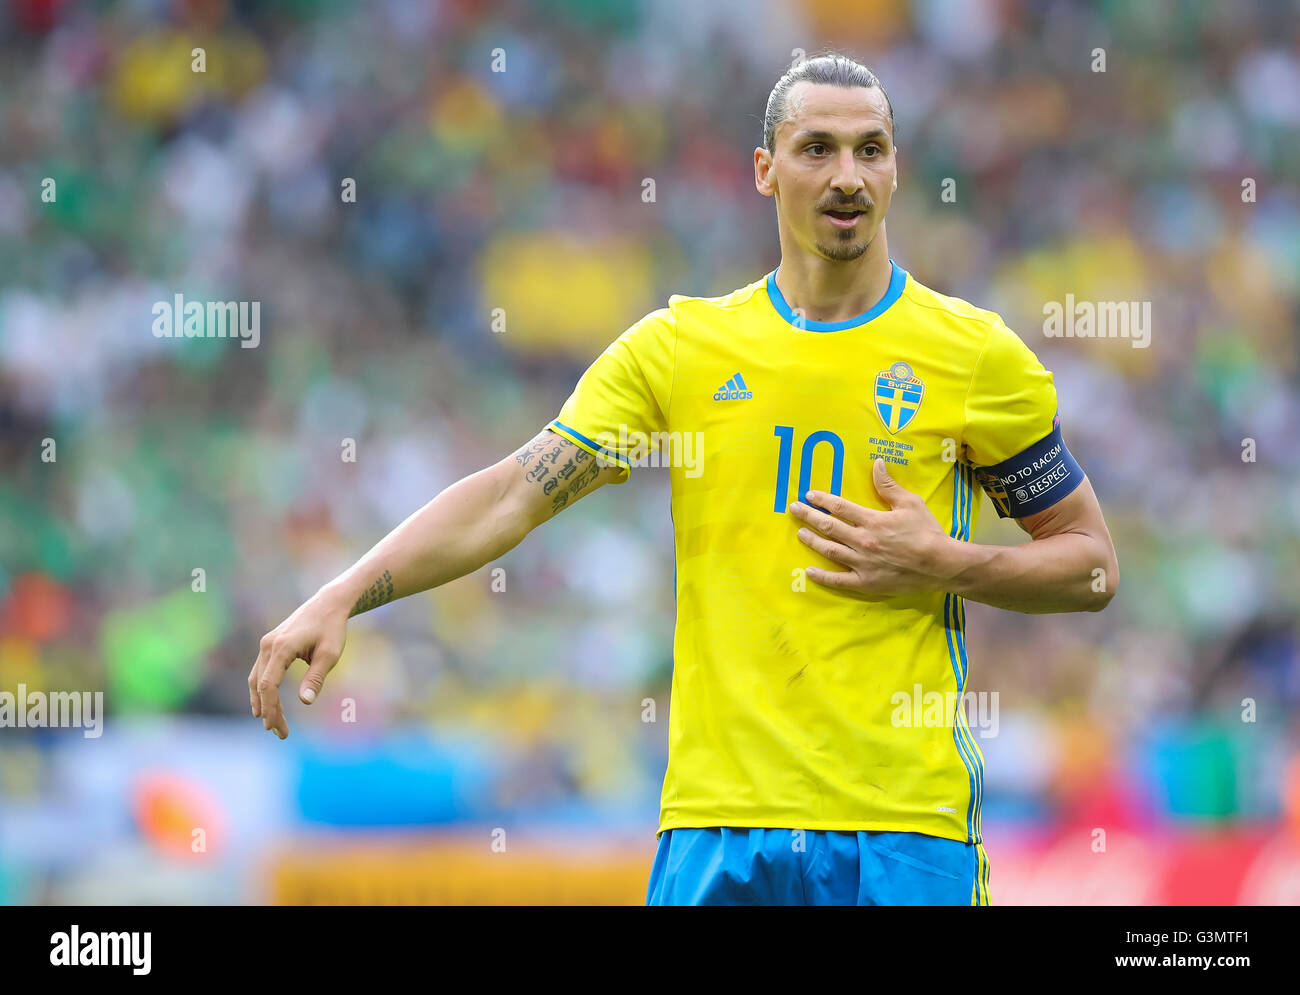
<point x="898" y="395"/>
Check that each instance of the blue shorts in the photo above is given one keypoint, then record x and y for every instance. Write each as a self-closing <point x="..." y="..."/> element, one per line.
<point x="808" y="867"/>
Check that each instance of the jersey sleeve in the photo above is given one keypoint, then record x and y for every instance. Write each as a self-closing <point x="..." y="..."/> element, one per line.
<point x="619" y="408"/>
<point x="1013" y="433"/>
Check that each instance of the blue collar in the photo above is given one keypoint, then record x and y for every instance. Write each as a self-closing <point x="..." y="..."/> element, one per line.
<point x="897" y="279"/>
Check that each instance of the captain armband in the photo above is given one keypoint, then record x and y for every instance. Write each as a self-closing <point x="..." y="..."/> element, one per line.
<point x="1032" y="480"/>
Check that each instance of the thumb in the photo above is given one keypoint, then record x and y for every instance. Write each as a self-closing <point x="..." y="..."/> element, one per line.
<point x="886" y="486"/>
<point x="322" y="662"/>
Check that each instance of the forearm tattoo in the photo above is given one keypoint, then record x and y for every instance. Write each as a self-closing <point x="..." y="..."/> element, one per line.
<point x="378" y="593"/>
<point x="562" y="470"/>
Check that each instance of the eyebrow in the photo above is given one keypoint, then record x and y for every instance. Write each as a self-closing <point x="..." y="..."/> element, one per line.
<point x="826" y="136"/>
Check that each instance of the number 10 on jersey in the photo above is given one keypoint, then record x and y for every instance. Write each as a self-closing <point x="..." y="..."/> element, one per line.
<point x="786" y="434"/>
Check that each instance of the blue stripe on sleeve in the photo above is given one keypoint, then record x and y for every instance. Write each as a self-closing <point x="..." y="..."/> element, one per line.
<point x="599" y="450"/>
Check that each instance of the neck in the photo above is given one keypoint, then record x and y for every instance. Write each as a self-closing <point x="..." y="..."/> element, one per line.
<point x="826" y="290"/>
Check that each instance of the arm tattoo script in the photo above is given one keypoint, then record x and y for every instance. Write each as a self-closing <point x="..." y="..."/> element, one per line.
<point x="378" y="593"/>
<point x="560" y="469"/>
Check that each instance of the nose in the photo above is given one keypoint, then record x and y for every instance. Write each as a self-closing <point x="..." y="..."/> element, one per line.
<point x="846" y="179"/>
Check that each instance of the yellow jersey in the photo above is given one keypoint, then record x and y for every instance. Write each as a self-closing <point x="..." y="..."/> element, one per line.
<point x="794" y="705"/>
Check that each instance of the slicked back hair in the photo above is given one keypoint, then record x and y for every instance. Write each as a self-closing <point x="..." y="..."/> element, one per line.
<point x="827" y="67"/>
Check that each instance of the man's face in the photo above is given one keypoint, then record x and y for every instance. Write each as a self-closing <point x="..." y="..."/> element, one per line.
<point x="835" y="152"/>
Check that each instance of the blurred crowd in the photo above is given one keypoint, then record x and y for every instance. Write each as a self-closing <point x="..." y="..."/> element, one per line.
<point x="443" y="210"/>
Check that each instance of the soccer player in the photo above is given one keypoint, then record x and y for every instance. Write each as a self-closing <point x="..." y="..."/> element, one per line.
<point x="845" y="415"/>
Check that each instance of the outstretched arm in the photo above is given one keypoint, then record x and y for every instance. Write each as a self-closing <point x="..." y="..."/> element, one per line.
<point x="471" y="523"/>
<point x="1069" y="566"/>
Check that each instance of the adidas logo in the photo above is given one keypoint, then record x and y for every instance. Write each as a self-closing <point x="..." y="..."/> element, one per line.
<point x="733" y="390"/>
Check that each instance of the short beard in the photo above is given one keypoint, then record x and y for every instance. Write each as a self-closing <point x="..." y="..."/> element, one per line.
<point x="846" y="251"/>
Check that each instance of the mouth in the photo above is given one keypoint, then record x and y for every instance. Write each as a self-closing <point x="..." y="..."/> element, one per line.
<point x="847" y="218"/>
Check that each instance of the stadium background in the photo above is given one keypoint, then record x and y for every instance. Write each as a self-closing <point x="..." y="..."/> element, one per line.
<point x="518" y="717"/>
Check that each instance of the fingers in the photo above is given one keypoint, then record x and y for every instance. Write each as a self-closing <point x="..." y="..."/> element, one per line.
<point x="830" y="550"/>
<point x="843" y="508"/>
<point x="846" y="583"/>
<point x="281" y="658"/>
<point x="835" y="528"/>
<point x="253" y="702"/>
<point x="890" y="490"/>
<point x="322" y="662"/>
<point x="263" y="654"/>
<point x="830" y="578"/>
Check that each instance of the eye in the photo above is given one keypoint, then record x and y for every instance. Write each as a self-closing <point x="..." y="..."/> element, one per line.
<point x="815" y="145"/>
<point x="873" y="149"/>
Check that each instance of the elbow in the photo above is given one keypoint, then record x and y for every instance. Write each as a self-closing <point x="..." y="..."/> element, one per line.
<point x="1105" y="582"/>
<point x="1099" y="602"/>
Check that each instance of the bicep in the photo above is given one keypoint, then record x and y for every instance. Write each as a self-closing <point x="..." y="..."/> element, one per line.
<point x="549" y="473"/>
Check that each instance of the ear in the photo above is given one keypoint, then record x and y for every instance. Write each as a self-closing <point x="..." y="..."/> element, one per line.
<point x="763" y="172"/>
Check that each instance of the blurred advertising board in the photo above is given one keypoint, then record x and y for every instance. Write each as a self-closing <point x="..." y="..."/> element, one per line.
<point x="1232" y="867"/>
